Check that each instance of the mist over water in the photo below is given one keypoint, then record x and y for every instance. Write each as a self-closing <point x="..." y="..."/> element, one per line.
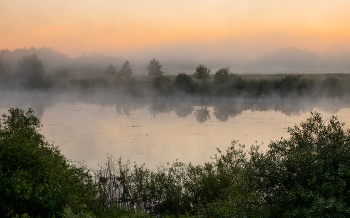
<point x="155" y="119"/>
<point x="158" y="130"/>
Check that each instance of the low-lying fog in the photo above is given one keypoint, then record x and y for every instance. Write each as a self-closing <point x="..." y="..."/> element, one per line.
<point x="184" y="59"/>
<point x="159" y="130"/>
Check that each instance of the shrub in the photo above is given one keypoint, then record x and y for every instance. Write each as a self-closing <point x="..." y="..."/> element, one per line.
<point x="307" y="175"/>
<point x="163" y="84"/>
<point x="184" y="83"/>
<point x="221" y="76"/>
<point x="35" y="178"/>
<point x="331" y="87"/>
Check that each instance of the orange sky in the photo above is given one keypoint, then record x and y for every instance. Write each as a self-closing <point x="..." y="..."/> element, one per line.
<point x="122" y="27"/>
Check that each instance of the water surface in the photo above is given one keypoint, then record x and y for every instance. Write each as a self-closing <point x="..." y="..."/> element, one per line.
<point x="153" y="131"/>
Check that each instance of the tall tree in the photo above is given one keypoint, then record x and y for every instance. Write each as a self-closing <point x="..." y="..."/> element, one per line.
<point x="202" y="72"/>
<point x="126" y="69"/>
<point x="154" y="68"/>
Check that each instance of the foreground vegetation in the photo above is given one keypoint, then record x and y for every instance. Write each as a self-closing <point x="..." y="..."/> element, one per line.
<point x="306" y="175"/>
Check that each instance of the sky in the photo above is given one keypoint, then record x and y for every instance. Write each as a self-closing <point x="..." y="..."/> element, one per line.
<point x="188" y="28"/>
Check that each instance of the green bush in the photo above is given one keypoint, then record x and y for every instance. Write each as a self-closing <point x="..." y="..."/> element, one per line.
<point x="222" y="76"/>
<point x="163" y="84"/>
<point x="184" y="83"/>
<point x="35" y="178"/>
<point x="307" y="175"/>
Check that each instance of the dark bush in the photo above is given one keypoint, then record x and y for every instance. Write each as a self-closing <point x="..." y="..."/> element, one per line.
<point x="163" y="84"/>
<point x="332" y="87"/>
<point x="291" y="84"/>
<point x="110" y="70"/>
<point x="222" y="76"/>
<point x="307" y="175"/>
<point x="35" y="178"/>
<point x="184" y="83"/>
<point x="31" y="73"/>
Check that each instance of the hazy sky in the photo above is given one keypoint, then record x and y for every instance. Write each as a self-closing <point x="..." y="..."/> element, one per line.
<point x="190" y="27"/>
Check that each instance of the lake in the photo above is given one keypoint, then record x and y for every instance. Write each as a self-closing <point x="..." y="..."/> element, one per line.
<point x="156" y="131"/>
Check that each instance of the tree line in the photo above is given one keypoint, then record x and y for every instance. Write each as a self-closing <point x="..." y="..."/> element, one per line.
<point x="30" y="75"/>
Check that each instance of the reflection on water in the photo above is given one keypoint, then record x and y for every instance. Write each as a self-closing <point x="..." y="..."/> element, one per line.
<point x="87" y="127"/>
<point x="202" y="114"/>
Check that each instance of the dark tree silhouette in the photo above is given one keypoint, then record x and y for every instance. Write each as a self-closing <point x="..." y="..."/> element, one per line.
<point x="126" y="69"/>
<point x="30" y="72"/>
<point x="154" y="68"/>
<point x="110" y="70"/>
<point x="184" y="83"/>
<point x="4" y="73"/>
<point x="202" y="72"/>
<point x="222" y="75"/>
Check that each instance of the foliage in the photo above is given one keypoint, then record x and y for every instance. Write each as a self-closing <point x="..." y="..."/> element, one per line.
<point x="332" y="87"/>
<point x="126" y="69"/>
<point x="307" y="175"/>
<point x="30" y="72"/>
<point x="184" y="83"/>
<point x="35" y="178"/>
<point x="89" y="83"/>
<point x="62" y="74"/>
<point x="5" y="73"/>
<point x="162" y="84"/>
<point x="174" y="189"/>
<point x="69" y="213"/>
<point x="289" y="84"/>
<point x="110" y="70"/>
<point x="154" y="68"/>
<point x="202" y="72"/>
<point x="222" y="76"/>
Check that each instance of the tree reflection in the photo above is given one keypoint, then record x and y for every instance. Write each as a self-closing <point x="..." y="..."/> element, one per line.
<point x="202" y="114"/>
<point x="157" y="107"/>
<point x="183" y="111"/>
<point x="221" y="114"/>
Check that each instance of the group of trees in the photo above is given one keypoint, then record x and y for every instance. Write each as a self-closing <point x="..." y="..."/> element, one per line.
<point x="29" y="74"/>
<point x="125" y="71"/>
<point x="153" y="68"/>
<point x="306" y="175"/>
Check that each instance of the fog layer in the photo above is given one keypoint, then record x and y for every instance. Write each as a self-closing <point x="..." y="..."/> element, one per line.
<point x="185" y="59"/>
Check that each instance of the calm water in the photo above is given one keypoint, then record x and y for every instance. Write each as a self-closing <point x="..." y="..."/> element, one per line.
<point x="153" y="131"/>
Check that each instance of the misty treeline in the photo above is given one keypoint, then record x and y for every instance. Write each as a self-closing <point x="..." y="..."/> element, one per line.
<point x="29" y="73"/>
<point x="305" y="175"/>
